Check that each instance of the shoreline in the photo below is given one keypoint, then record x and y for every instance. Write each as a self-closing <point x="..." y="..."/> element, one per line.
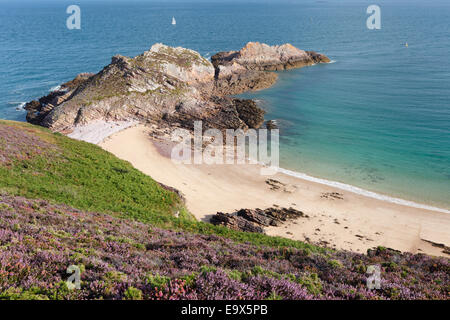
<point x="363" y="192"/>
<point x="340" y="219"/>
<point x="98" y="131"/>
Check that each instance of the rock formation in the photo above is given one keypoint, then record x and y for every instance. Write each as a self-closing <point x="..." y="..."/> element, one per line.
<point x="171" y="86"/>
<point x="255" y="220"/>
<point x="262" y="57"/>
<point x="235" y="222"/>
<point x="244" y="70"/>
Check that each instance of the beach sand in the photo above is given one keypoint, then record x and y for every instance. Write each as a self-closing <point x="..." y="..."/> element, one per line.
<point x="96" y="131"/>
<point x="343" y="220"/>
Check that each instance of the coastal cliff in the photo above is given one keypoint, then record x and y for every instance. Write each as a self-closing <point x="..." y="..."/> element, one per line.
<point x="171" y="87"/>
<point x="245" y="70"/>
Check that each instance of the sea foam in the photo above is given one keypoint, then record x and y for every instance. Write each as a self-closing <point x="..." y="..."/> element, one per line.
<point x="55" y="88"/>
<point x="18" y="105"/>
<point x="361" y="191"/>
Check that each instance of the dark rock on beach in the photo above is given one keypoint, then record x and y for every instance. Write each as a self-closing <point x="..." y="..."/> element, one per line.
<point x="235" y="223"/>
<point x="254" y="220"/>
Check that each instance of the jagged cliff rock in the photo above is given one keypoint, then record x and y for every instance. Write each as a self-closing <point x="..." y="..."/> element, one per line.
<point x="163" y="84"/>
<point x="169" y="85"/>
<point x="244" y="70"/>
<point x="262" y="57"/>
<point x="38" y="110"/>
<point x="235" y="223"/>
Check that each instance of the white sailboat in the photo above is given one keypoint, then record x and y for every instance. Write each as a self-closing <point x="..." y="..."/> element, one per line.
<point x="174" y="22"/>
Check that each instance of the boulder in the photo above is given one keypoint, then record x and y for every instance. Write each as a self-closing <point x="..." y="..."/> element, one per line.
<point x="235" y="223"/>
<point x="254" y="220"/>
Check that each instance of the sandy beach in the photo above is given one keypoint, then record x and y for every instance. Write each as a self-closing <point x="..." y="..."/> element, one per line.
<point x="336" y="218"/>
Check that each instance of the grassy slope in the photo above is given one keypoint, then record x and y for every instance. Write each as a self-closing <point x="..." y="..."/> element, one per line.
<point x="86" y="177"/>
<point x="125" y="259"/>
<point x="121" y="258"/>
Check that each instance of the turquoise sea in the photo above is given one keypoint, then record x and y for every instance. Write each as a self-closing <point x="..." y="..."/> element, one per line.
<point x="378" y="118"/>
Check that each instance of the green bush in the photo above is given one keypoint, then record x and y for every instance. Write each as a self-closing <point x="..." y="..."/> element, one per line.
<point x="133" y="294"/>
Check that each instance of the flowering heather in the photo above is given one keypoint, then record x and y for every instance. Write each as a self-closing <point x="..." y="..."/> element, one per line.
<point x="18" y="144"/>
<point x="124" y="259"/>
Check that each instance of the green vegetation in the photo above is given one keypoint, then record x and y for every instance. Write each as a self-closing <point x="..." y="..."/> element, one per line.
<point x="133" y="294"/>
<point x="86" y="177"/>
<point x="335" y="264"/>
<point x="184" y="58"/>
<point x="40" y="239"/>
<point x="157" y="281"/>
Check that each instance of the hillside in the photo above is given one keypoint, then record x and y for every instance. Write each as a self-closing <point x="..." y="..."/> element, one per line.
<point x="121" y="228"/>
<point x="38" y="164"/>
<point x="122" y="259"/>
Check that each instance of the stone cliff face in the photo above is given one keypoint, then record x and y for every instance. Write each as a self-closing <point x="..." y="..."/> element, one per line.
<point x="172" y="86"/>
<point x="262" y="57"/>
<point x="245" y="70"/>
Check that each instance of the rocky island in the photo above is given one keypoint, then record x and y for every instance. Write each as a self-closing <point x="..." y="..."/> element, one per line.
<point x="171" y="87"/>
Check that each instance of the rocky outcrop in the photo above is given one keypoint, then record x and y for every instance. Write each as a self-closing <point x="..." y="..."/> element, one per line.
<point x="250" y="220"/>
<point x="235" y="223"/>
<point x="38" y="110"/>
<point x="271" y="125"/>
<point x="231" y="80"/>
<point x="164" y="84"/>
<point x="249" y="112"/>
<point x="262" y="57"/>
<point x="244" y="70"/>
<point x="173" y="86"/>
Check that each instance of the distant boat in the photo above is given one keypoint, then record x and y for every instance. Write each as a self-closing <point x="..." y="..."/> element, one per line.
<point x="174" y="22"/>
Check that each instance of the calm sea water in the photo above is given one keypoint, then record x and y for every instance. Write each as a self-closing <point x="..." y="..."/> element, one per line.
<point x="378" y="118"/>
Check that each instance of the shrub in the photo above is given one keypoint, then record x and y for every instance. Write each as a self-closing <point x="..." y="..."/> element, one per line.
<point x="133" y="294"/>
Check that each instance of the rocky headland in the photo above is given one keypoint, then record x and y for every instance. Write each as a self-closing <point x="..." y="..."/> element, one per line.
<point x="246" y="69"/>
<point x="172" y="87"/>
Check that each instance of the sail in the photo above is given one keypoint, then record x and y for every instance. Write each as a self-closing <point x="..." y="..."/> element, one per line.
<point x="174" y="21"/>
